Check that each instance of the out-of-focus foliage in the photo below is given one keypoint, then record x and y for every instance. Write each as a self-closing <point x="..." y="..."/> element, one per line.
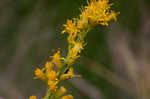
<point x="30" y="31"/>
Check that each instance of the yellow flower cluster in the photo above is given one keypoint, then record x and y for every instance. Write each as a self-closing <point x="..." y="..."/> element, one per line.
<point x="52" y="76"/>
<point x="60" y="68"/>
<point x="48" y="74"/>
<point x="96" y="12"/>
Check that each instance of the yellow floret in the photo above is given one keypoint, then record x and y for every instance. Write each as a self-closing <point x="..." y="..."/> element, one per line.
<point x="51" y="75"/>
<point x="61" y="91"/>
<point x="49" y="65"/>
<point x="83" y="21"/>
<point x="73" y="53"/>
<point x="52" y="85"/>
<point x="67" y="97"/>
<point x="71" y="28"/>
<point x="56" y="59"/>
<point x="68" y="75"/>
<point x="32" y="97"/>
<point x="39" y="74"/>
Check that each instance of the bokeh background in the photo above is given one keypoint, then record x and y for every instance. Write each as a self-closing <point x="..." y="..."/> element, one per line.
<point x="115" y="63"/>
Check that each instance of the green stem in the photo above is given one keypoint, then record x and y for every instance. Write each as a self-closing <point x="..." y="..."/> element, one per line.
<point x="62" y="70"/>
<point x="83" y="34"/>
<point x="48" y="95"/>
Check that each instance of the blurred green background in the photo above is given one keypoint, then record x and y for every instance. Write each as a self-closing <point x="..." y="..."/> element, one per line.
<point x="30" y="33"/>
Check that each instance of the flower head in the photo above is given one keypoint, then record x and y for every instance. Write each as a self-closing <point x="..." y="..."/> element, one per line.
<point x="98" y="12"/>
<point x="71" y="29"/>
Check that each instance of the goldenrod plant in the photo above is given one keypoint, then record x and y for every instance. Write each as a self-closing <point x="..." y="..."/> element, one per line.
<point x="59" y="69"/>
